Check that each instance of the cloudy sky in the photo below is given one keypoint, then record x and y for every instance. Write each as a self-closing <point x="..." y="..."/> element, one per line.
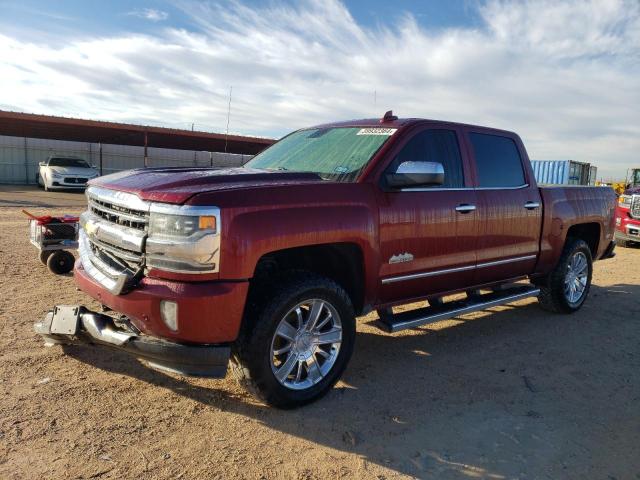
<point x="563" y="74"/>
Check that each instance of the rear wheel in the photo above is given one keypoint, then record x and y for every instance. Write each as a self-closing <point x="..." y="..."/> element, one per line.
<point x="60" y="262"/>
<point x="298" y="343"/>
<point x="567" y="287"/>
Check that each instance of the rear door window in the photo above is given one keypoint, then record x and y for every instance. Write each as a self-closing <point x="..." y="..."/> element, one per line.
<point x="497" y="160"/>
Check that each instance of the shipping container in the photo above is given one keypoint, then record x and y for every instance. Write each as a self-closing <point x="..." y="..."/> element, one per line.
<point x="563" y="172"/>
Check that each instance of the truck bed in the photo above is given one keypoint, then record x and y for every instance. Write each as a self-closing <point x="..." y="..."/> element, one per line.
<point x="566" y="206"/>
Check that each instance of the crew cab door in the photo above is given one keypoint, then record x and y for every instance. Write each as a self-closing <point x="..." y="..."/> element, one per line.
<point x="428" y="234"/>
<point x="509" y="207"/>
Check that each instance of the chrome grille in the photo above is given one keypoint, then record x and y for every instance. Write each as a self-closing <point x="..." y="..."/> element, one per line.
<point x="115" y="228"/>
<point x="116" y="253"/>
<point x="107" y="209"/>
<point x="635" y="206"/>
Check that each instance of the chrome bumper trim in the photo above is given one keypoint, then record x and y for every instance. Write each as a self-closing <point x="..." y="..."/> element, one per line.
<point x="113" y="280"/>
<point x="74" y="324"/>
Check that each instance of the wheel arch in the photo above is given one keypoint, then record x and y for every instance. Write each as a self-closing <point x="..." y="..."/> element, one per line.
<point x="342" y="262"/>
<point x="589" y="233"/>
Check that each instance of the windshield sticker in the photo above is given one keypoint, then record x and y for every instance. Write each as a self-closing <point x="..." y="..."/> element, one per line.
<point x="377" y="131"/>
<point x="341" y="170"/>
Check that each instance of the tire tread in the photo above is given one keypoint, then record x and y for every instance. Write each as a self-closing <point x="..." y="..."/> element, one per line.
<point x="551" y="297"/>
<point x="266" y="301"/>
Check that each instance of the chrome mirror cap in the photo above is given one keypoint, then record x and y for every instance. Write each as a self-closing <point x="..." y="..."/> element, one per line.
<point x="416" y="174"/>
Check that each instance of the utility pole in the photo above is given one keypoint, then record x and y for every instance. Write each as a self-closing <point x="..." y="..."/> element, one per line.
<point x="26" y="163"/>
<point x="146" y="143"/>
<point x="228" y="116"/>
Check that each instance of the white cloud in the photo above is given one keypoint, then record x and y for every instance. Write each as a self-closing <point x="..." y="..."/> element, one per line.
<point x="150" y="14"/>
<point x="565" y="75"/>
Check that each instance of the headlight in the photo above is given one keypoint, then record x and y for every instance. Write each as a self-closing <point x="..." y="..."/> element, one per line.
<point x="184" y="239"/>
<point x="625" y="200"/>
<point x="55" y="174"/>
<point x="161" y="224"/>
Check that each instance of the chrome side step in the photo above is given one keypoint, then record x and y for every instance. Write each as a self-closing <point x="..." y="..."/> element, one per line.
<point x="392" y="323"/>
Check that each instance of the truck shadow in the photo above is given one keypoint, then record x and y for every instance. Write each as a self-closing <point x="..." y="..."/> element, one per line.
<point x="454" y="400"/>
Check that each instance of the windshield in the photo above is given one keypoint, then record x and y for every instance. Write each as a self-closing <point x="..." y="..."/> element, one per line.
<point x="68" y="162"/>
<point x="337" y="154"/>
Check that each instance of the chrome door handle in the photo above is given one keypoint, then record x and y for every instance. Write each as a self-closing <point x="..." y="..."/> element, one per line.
<point x="531" y="205"/>
<point x="465" y="208"/>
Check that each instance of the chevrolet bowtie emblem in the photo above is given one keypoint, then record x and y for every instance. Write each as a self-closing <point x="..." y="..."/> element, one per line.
<point x="91" y="228"/>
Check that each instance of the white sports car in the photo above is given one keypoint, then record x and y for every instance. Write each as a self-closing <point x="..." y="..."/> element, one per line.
<point x="65" y="172"/>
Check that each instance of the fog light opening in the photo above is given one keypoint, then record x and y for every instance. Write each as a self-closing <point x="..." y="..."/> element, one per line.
<point x="169" y="312"/>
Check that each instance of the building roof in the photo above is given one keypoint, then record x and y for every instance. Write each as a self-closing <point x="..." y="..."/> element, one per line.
<point x="30" y="125"/>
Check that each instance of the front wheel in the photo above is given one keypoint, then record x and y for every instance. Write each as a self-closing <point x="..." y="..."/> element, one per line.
<point x="567" y="287"/>
<point x="298" y="343"/>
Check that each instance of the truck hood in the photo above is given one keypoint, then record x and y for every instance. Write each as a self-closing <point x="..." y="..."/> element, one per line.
<point x="177" y="185"/>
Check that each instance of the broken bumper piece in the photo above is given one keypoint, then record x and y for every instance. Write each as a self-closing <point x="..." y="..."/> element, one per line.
<point x="74" y="324"/>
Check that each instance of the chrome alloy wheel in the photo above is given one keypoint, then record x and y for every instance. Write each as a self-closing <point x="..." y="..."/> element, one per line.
<point x="575" y="281"/>
<point x="306" y="344"/>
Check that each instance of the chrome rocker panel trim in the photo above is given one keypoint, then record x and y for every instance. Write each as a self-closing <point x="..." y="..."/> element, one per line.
<point x="413" y="276"/>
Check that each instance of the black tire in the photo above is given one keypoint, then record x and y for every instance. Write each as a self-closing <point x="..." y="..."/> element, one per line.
<point x="251" y="361"/>
<point x="552" y="291"/>
<point x="44" y="255"/>
<point x="60" y="262"/>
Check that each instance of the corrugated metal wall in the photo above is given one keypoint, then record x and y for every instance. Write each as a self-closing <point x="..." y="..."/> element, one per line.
<point x="19" y="157"/>
<point x="562" y="172"/>
<point x="551" y="172"/>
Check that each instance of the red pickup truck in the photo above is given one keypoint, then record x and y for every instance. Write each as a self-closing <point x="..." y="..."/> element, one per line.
<point x="269" y="265"/>
<point x="628" y="216"/>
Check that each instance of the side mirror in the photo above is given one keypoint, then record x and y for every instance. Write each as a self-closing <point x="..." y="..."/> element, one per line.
<point x="42" y="164"/>
<point x="416" y="174"/>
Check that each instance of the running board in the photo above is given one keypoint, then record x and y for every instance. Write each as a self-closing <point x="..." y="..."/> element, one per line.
<point x="392" y="323"/>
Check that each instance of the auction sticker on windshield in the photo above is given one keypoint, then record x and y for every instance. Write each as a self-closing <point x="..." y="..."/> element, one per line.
<point x="377" y="131"/>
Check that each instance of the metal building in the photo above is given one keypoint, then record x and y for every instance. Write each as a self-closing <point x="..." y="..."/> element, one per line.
<point x="27" y="139"/>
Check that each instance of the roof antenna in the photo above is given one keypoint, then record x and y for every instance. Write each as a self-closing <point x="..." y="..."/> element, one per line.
<point x="388" y="117"/>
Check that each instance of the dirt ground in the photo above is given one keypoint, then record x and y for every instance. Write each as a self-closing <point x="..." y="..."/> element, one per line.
<point x="513" y="392"/>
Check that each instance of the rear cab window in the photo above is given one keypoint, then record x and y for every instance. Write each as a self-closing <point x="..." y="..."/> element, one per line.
<point x="498" y="161"/>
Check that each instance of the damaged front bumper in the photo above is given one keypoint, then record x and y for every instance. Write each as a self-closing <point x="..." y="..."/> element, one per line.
<point x="74" y="324"/>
